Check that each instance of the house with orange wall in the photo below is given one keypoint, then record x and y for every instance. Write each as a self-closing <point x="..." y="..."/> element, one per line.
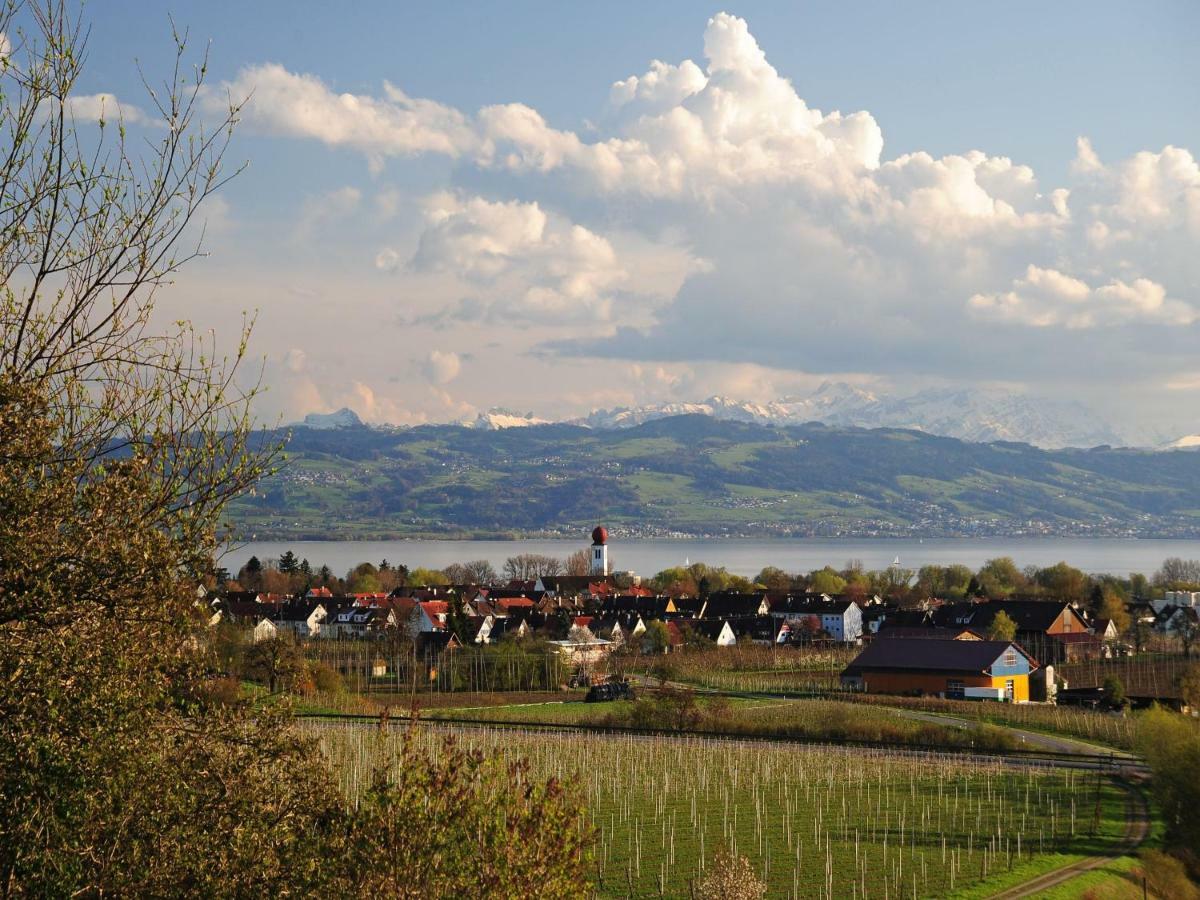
<point x="997" y="670"/>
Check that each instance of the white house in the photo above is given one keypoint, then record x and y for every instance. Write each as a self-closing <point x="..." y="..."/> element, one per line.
<point x="842" y="620"/>
<point x="302" y="620"/>
<point x="582" y="652"/>
<point x="1177" y="598"/>
<point x="264" y="630"/>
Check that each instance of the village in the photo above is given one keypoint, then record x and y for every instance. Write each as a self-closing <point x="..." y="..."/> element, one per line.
<point x="1009" y="650"/>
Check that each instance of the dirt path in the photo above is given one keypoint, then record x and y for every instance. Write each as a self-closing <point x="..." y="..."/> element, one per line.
<point x="1032" y="739"/>
<point x="1137" y="827"/>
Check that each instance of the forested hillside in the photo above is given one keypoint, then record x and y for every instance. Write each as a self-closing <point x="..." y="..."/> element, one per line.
<point x="698" y="475"/>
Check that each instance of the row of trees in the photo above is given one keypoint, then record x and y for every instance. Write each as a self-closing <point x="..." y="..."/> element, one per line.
<point x="289" y="575"/>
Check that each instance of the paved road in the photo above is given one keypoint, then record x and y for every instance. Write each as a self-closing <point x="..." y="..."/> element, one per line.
<point x="1137" y="827"/>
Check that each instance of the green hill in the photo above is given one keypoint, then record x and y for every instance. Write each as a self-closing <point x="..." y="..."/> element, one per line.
<point x="701" y="476"/>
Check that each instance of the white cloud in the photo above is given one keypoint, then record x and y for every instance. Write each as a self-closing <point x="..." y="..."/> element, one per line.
<point x="524" y="264"/>
<point x="1045" y="297"/>
<point x="664" y="85"/>
<point x="387" y="260"/>
<point x="282" y="102"/>
<point x="713" y="217"/>
<point x="295" y="359"/>
<point x="442" y="367"/>
<point x="104" y="107"/>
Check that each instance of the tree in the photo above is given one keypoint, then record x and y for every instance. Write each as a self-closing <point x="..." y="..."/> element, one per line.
<point x="1112" y="607"/>
<point x="427" y="578"/>
<point x="363" y="579"/>
<point x="1171" y="746"/>
<point x="432" y="826"/>
<point x="998" y="578"/>
<point x="477" y="571"/>
<point x="274" y="662"/>
<point x="676" y="582"/>
<point x="1003" y="628"/>
<point x="1063" y="582"/>
<point x="456" y="618"/>
<point x="1114" y="691"/>
<point x="774" y="579"/>
<point x="656" y="638"/>
<point x="1187" y="628"/>
<point x="1139" y="585"/>
<point x="578" y="563"/>
<point x="251" y="574"/>
<point x="531" y="566"/>
<point x="1176" y="574"/>
<point x="288" y="564"/>
<point x="121" y="445"/>
<point x="826" y="581"/>
<point x="1189" y="685"/>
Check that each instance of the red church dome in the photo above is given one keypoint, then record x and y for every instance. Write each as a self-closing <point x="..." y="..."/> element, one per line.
<point x="599" y="535"/>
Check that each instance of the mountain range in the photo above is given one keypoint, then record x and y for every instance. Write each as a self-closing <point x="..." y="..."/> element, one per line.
<point x="698" y="474"/>
<point x="977" y="415"/>
<point x="967" y="414"/>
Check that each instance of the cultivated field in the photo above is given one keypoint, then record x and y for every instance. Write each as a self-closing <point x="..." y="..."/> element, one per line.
<point x="815" y="822"/>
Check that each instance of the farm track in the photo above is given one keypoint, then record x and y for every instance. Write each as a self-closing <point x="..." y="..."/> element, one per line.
<point x="1137" y="827"/>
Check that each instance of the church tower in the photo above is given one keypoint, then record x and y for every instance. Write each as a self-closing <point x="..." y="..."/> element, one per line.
<point x="599" y="551"/>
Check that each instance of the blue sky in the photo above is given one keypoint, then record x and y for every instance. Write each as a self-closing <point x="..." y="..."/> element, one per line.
<point x="490" y="262"/>
<point x="1022" y="79"/>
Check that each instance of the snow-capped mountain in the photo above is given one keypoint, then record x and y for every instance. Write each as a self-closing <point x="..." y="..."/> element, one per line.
<point x="971" y="415"/>
<point x="343" y="418"/>
<point x="495" y="419"/>
<point x="1187" y="442"/>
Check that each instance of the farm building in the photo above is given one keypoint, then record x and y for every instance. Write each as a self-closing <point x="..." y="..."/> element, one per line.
<point x="993" y="670"/>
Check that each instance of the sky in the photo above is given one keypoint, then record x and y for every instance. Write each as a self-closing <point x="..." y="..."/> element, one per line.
<point x="553" y="208"/>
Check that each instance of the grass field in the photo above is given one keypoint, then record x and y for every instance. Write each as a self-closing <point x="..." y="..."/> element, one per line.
<point x="817" y="720"/>
<point x="814" y="822"/>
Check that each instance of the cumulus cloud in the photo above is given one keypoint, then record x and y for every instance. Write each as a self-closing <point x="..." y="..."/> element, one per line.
<point x="442" y="367"/>
<point x="662" y="86"/>
<point x="295" y="359"/>
<point x="104" y="107"/>
<point x="298" y="105"/>
<point x="714" y="216"/>
<point x="525" y="264"/>
<point x="1045" y="297"/>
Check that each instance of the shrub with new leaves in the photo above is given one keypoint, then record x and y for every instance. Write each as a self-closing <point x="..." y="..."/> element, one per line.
<point x="462" y="825"/>
<point x="729" y="877"/>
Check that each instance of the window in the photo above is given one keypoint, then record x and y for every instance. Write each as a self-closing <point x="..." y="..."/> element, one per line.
<point x="954" y="688"/>
<point x="1010" y="657"/>
<point x="1010" y="689"/>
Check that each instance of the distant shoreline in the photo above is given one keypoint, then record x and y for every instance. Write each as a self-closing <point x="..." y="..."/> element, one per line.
<point x="742" y="556"/>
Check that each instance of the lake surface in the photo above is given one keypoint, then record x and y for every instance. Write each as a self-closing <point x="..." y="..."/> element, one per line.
<point x="743" y="556"/>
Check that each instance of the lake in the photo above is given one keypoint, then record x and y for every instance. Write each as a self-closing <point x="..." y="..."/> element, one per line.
<point x="743" y="556"/>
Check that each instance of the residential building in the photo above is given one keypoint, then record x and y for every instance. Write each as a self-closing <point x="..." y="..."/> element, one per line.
<point x="954" y="669"/>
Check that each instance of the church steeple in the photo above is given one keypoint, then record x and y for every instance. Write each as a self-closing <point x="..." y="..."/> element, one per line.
<point x="599" y="551"/>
